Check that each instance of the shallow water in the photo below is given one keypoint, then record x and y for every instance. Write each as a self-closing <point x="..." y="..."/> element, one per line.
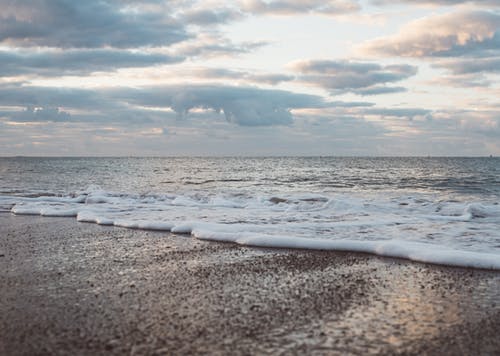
<point x="439" y="210"/>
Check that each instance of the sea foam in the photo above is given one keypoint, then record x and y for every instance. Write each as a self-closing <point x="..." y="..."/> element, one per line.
<point x="416" y="227"/>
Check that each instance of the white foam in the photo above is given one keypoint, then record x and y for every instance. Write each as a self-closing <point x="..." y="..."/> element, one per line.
<point x="59" y="212"/>
<point x="420" y="228"/>
<point x="419" y="252"/>
<point x="23" y="210"/>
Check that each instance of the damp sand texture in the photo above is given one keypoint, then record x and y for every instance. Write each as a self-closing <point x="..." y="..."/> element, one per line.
<point x="87" y="289"/>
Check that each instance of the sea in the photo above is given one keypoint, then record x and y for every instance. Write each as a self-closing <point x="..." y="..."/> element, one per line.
<point x="436" y="210"/>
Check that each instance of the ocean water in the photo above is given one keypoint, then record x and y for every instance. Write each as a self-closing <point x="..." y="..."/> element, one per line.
<point x="436" y="210"/>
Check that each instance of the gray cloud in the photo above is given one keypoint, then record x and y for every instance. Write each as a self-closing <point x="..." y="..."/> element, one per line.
<point x="269" y="78"/>
<point x="321" y="128"/>
<point x="243" y="106"/>
<point x="438" y="2"/>
<point x="399" y="112"/>
<point x="471" y="66"/>
<point x="349" y="104"/>
<point x="459" y="33"/>
<point x="76" y="62"/>
<point x="132" y="23"/>
<point x="86" y="24"/>
<point x="379" y="90"/>
<point x="289" y="7"/>
<point x="309" y="135"/>
<point x="32" y="114"/>
<point x="26" y="97"/>
<point x="205" y="17"/>
<point x="458" y="129"/>
<point x="485" y="124"/>
<point x="472" y="80"/>
<point x="37" y="96"/>
<point x="472" y="73"/>
<point x="362" y="78"/>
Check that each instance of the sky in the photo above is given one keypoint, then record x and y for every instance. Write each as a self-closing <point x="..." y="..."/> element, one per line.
<point x="249" y="77"/>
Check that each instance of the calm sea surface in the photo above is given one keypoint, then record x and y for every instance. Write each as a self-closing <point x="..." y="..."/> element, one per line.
<point x="450" y="204"/>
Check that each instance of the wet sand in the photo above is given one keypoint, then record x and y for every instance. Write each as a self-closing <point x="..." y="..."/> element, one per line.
<point x="83" y="289"/>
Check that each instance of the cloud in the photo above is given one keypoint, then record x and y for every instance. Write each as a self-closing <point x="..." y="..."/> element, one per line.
<point x="308" y="135"/>
<point x="244" y="75"/>
<point x="76" y="62"/>
<point x="475" y="73"/>
<point x="471" y="66"/>
<point x="38" y="96"/>
<point x="132" y="24"/>
<point x="206" y="17"/>
<point x="379" y="90"/>
<point x="485" y="124"/>
<point x="86" y="24"/>
<point x="213" y="44"/>
<point x="47" y="114"/>
<point x="244" y="106"/>
<point x="472" y="80"/>
<point x="340" y="76"/>
<point x="399" y="112"/>
<point x="459" y="33"/>
<point x="348" y="104"/>
<point x="294" y="7"/>
<point x="438" y="2"/>
<point x="213" y="13"/>
<point x="318" y="127"/>
<point x="271" y="78"/>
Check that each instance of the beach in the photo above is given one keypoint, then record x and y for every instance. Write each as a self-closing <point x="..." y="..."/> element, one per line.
<point x="251" y="177"/>
<point x="76" y="288"/>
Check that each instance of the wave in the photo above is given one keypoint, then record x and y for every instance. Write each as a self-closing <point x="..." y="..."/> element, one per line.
<point x="419" y="227"/>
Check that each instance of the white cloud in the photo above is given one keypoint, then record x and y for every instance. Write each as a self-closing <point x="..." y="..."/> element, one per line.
<point x="238" y="75"/>
<point x="459" y="33"/>
<point x="213" y="44"/>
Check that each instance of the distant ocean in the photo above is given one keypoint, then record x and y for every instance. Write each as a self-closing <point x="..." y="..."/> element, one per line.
<point x="437" y="210"/>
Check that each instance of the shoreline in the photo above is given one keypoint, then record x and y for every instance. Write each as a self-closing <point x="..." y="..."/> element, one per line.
<point x="73" y="288"/>
<point x="412" y="251"/>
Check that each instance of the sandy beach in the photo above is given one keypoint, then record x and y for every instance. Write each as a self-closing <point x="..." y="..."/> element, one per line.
<point x="81" y="289"/>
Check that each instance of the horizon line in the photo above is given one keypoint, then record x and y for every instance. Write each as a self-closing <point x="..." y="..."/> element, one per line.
<point x="252" y="156"/>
